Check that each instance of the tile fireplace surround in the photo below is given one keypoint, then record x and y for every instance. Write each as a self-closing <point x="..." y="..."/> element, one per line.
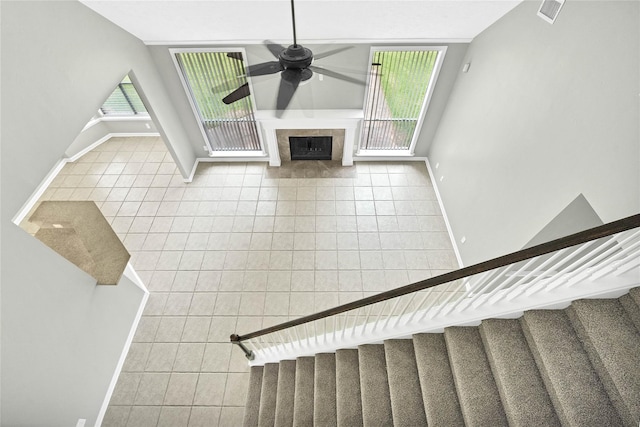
<point x="342" y="125"/>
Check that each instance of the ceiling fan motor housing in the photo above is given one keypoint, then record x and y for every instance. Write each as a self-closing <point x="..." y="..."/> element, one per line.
<point x="295" y="57"/>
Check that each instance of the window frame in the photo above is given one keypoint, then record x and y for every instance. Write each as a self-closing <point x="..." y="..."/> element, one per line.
<point x="442" y="50"/>
<point x="195" y="110"/>
<point x="131" y="112"/>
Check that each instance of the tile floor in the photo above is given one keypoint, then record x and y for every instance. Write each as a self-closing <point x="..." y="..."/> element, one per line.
<point x="242" y="247"/>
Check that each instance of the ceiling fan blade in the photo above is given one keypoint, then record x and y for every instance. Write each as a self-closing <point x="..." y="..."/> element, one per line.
<point x="289" y="82"/>
<point x="229" y="84"/>
<point x="274" y="48"/>
<point x="335" y="75"/>
<point x="331" y="52"/>
<point x="241" y="92"/>
<point x="235" y="55"/>
<point x="264" y="69"/>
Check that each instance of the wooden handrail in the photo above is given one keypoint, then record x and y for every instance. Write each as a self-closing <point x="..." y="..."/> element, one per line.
<point x="595" y="233"/>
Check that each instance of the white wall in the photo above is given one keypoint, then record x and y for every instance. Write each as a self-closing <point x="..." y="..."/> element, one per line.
<point x="546" y="112"/>
<point x="61" y="335"/>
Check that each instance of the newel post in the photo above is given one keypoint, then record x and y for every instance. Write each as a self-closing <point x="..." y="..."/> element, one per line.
<point x="235" y="339"/>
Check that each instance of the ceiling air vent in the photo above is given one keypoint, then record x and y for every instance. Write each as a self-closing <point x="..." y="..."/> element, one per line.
<point x="549" y="10"/>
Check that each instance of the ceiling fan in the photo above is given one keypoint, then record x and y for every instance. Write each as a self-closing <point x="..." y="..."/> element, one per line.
<point x="294" y="65"/>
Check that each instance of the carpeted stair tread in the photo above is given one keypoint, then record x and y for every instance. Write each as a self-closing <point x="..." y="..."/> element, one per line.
<point x="632" y="309"/>
<point x="524" y="397"/>
<point x="635" y="294"/>
<point x="252" y="408"/>
<point x="348" y="397"/>
<point x="286" y="391"/>
<point x="436" y="380"/>
<point x="303" y="401"/>
<point x="573" y="386"/>
<point x="576" y="367"/>
<point x="376" y="402"/>
<point x="407" y="407"/>
<point x="324" y="395"/>
<point x="267" y="415"/>
<point x="612" y="343"/>
<point x="477" y="391"/>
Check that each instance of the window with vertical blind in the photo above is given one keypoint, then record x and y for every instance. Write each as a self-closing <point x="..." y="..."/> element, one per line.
<point x="400" y="85"/>
<point x="208" y="77"/>
<point x="123" y="101"/>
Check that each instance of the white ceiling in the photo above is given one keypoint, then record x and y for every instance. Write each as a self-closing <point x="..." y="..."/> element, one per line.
<point x="178" y="22"/>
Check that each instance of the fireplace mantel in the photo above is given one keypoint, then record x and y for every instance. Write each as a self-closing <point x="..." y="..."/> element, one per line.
<point x="349" y="120"/>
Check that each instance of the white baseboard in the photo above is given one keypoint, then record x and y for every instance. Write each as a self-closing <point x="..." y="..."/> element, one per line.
<point x="131" y="274"/>
<point x="89" y="148"/>
<point x="35" y="196"/>
<point x="222" y="159"/>
<point x="357" y="158"/>
<point x="444" y="214"/>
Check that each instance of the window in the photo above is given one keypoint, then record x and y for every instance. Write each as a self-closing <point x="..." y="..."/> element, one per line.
<point x="124" y="101"/>
<point x="208" y="76"/>
<point x="400" y="85"/>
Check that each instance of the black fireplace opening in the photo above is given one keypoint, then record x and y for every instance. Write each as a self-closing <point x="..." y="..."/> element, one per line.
<point x="310" y="147"/>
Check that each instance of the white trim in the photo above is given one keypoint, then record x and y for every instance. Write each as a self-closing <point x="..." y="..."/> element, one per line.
<point x="107" y="137"/>
<point x="234" y="158"/>
<point x="89" y="148"/>
<point x="390" y="158"/>
<point x="53" y="173"/>
<point x="140" y="117"/>
<point x="35" y="196"/>
<point x="444" y="214"/>
<point x="442" y="51"/>
<point x="209" y="43"/>
<point x="91" y="123"/>
<point x="174" y="51"/>
<point x="136" y="134"/>
<point x="131" y="274"/>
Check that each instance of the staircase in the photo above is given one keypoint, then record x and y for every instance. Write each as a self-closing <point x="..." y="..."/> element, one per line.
<point x="579" y="366"/>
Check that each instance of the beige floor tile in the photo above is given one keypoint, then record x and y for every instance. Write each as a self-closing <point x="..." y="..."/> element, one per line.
<point x="205" y="416"/>
<point x="245" y="246"/>
<point x="174" y="416"/>
<point x="210" y="389"/>
<point x="144" y="416"/>
<point x="181" y="389"/>
<point x="231" y="416"/>
<point x="152" y="388"/>
<point x="236" y="390"/>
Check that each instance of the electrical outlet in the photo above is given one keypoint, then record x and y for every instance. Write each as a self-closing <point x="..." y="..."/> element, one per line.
<point x="81" y="422"/>
<point x="147" y="125"/>
<point x="464" y="239"/>
<point x="437" y="165"/>
<point x="442" y="178"/>
<point x="204" y="147"/>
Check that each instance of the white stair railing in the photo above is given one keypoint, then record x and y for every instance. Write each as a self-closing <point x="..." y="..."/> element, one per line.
<point x="608" y="265"/>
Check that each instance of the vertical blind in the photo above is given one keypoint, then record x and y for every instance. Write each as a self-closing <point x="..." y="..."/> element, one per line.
<point x="210" y="76"/>
<point x="398" y="85"/>
<point x="124" y="100"/>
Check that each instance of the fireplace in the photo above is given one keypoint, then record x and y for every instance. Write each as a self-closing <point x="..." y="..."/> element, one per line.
<point x="310" y="147"/>
<point x="341" y="125"/>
